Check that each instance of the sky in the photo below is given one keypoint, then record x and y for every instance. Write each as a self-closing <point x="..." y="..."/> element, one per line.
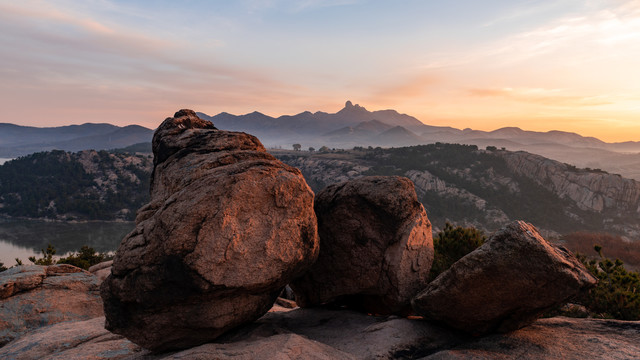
<point x="539" y="65"/>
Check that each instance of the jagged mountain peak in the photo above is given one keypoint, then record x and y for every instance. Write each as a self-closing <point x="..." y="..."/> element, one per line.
<point x="350" y="107"/>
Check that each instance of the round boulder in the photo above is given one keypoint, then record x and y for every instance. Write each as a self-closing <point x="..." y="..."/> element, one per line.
<point x="376" y="246"/>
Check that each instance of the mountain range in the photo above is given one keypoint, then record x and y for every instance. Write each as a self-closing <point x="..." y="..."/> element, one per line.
<point x="16" y="140"/>
<point x="352" y="126"/>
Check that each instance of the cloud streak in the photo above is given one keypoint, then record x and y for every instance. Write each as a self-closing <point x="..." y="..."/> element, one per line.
<point x="97" y="60"/>
<point x="548" y="97"/>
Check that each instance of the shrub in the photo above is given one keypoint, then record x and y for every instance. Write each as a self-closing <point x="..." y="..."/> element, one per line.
<point x="617" y="294"/>
<point x="47" y="256"/>
<point x="451" y="244"/>
<point x="84" y="258"/>
<point x="617" y="248"/>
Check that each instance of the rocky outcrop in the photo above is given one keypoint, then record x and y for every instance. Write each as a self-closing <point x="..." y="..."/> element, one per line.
<point x="227" y="227"/>
<point x="341" y="334"/>
<point x="327" y="170"/>
<point x="426" y="182"/>
<point x="504" y="284"/>
<point x="591" y="190"/>
<point x="376" y="246"/>
<point x="35" y="296"/>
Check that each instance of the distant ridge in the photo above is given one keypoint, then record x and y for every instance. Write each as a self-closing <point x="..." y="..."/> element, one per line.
<point x="351" y="126"/>
<point x="354" y="125"/>
<point x="16" y="140"/>
<point x="308" y="123"/>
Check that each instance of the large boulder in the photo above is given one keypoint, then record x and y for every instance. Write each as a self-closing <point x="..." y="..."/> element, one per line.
<point x="35" y="296"/>
<point x="226" y="228"/>
<point x="504" y="284"/>
<point x="376" y="246"/>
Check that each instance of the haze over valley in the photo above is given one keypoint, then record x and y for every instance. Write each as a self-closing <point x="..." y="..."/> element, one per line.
<point x="351" y="126"/>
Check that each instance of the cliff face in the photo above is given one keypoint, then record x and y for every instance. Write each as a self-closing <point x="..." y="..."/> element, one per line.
<point x="591" y="190"/>
<point x="488" y="189"/>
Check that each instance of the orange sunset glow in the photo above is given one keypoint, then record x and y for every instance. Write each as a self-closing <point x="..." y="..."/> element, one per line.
<point x="565" y="65"/>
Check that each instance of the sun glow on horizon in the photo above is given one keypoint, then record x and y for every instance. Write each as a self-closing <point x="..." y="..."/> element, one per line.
<point x="568" y="65"/>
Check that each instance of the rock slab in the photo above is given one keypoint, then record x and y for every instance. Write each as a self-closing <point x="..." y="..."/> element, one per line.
<point x="320" y="333"/>
<point x="70" y="341"/>
<point x="33" y="296"/>
<point x="556" y="338"/>
<point x="504" y="284"/>
<point x="376" y="246"/>
<point x="226" y="228"/>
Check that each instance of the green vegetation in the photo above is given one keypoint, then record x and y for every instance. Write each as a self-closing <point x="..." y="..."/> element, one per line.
<point x="451" y="244"/>
<point x="84" y="258"/>
<point x="56" y="185"/>
<point x="617" y="248"/>
<point x="617" y="294"/>
<point x="47" y="256"/>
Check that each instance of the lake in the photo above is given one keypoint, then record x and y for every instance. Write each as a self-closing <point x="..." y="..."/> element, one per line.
<point x="24" y="238"/>
<point x="4" y="160"/>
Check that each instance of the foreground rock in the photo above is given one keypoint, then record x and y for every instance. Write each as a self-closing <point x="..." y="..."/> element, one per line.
<point x="341" y="334"/>
<point x="71" y="340"/>
<point x="504" y="284"/>
<point x="101" y="270"/>
<point x="227" y="227"/>
<point x="35" y="296"/>
<point x="555" y="339"/>
<point x="376" y="246"/>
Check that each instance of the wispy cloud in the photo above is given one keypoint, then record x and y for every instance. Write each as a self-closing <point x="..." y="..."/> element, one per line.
<point x="549" y="97"/>
<point x="79" y="61"/>
<point x="594" y="31"/>
<point x="295" y="6"/>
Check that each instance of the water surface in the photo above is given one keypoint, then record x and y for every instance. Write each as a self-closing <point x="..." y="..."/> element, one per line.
<point x="24" y="238"/>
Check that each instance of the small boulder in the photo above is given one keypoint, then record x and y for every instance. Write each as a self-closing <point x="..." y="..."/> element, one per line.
<point x="376" y="246"/>
<point x="227" y="227"/>
<point x="505" y="284"/>
<point x="101" y="270"/>
<point x="35" y="296"/>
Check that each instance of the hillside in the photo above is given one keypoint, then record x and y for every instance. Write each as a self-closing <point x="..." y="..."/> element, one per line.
<point x="354" y="125"/>
<point x="457" y="183"/>
<point x="18" y="140"/>
<point x="487" y="189"/>
<point x="87" y="185"/>
<point x="349" y="127"/>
